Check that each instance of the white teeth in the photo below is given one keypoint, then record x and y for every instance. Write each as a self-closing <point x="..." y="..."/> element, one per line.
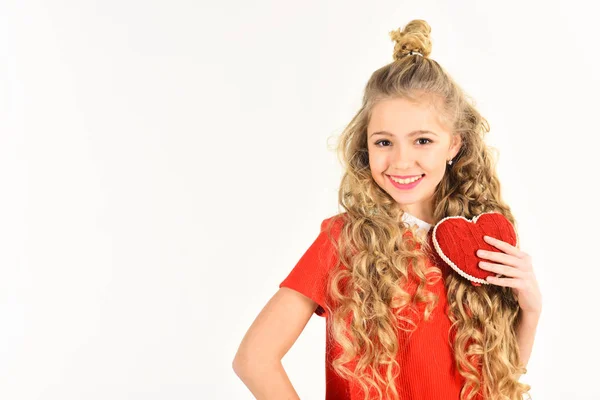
<point x="405" y="181"/>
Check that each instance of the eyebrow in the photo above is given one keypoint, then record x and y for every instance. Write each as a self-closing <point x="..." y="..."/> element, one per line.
<point x="413" y="133"/>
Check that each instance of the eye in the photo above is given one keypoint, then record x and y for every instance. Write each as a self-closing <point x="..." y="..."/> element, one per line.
<point x="377" y="143"/>
<point x="429" y="140"/>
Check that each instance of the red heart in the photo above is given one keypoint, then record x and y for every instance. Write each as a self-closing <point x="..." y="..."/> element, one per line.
<point x="457" y="239"/>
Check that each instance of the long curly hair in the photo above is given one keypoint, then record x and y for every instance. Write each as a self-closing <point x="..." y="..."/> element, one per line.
<point x="369" y="302"/>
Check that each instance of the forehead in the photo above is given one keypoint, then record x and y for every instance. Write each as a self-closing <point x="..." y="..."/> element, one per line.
<point x="399" y="116"/>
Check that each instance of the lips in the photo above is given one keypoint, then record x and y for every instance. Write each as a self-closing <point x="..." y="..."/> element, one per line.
<point x="405" y="186"/>
<point x="405" y="176"/>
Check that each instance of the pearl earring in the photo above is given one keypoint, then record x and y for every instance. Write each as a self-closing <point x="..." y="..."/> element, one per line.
<point x="450" y="162"/>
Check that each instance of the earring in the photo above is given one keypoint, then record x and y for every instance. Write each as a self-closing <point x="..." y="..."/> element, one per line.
<point x="450" y="162"/>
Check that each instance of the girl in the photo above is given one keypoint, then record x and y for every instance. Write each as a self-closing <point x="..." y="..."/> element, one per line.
<point x="400" y="323"/>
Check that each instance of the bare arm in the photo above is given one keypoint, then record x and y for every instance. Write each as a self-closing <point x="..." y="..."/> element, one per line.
<point x="526" y="334"/>
<point x="267" y="380"/>
<point x="258" y="360"/>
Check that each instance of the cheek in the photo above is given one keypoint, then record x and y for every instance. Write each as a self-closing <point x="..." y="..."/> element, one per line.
<point x="376" y="167"/>
<point x="433" y="162"/>
<point x="378" y="163"/>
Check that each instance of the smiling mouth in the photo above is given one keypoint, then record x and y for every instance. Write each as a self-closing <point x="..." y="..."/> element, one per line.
<point x="407" y="179"/>
<point x="406" y="183"/>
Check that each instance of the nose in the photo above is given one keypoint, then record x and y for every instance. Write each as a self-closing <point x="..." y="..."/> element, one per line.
<point x="403" y="158"/>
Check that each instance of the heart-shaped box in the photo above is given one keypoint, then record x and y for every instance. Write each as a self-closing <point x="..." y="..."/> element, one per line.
<point x="457" y="239"/>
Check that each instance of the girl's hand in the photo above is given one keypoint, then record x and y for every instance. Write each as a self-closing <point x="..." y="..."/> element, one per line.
<point x="516" y="266"/>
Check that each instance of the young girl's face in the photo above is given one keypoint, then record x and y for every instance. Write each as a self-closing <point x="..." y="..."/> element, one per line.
<point x="399" y="148"/>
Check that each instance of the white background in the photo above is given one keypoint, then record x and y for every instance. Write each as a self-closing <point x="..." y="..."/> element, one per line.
<point x="164" y="165"/>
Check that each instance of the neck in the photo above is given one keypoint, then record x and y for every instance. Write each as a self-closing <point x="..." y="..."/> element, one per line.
<point x="420" y="211"/>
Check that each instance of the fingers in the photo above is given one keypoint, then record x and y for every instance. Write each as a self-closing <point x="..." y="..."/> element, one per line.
<point x="504" y="246"/>
<point x="501" y="269"/>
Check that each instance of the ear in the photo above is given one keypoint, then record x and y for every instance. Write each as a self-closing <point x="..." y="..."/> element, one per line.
<point x="455" y="145"/>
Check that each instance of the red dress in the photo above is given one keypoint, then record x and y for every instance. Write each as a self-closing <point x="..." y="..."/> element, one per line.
<point x="427" y="366"/>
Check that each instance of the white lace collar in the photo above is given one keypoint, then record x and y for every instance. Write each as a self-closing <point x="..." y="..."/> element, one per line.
<point x="411" y="219"/>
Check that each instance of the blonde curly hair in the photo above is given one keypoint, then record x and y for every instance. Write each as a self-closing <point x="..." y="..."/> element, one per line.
<point x="370" y="290"/>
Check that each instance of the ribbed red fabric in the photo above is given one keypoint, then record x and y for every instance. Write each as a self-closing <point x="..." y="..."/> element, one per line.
<point x="459" y="239"/>
<point x="427" y="366"/>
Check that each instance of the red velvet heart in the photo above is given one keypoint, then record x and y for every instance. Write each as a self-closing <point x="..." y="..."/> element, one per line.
<point x="457" y="239"/>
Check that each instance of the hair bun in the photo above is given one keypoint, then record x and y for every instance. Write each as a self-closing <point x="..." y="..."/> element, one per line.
<point x="414" y="37"/>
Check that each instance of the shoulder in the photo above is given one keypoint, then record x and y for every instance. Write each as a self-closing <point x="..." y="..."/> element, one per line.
<point x="334" y="223"/>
